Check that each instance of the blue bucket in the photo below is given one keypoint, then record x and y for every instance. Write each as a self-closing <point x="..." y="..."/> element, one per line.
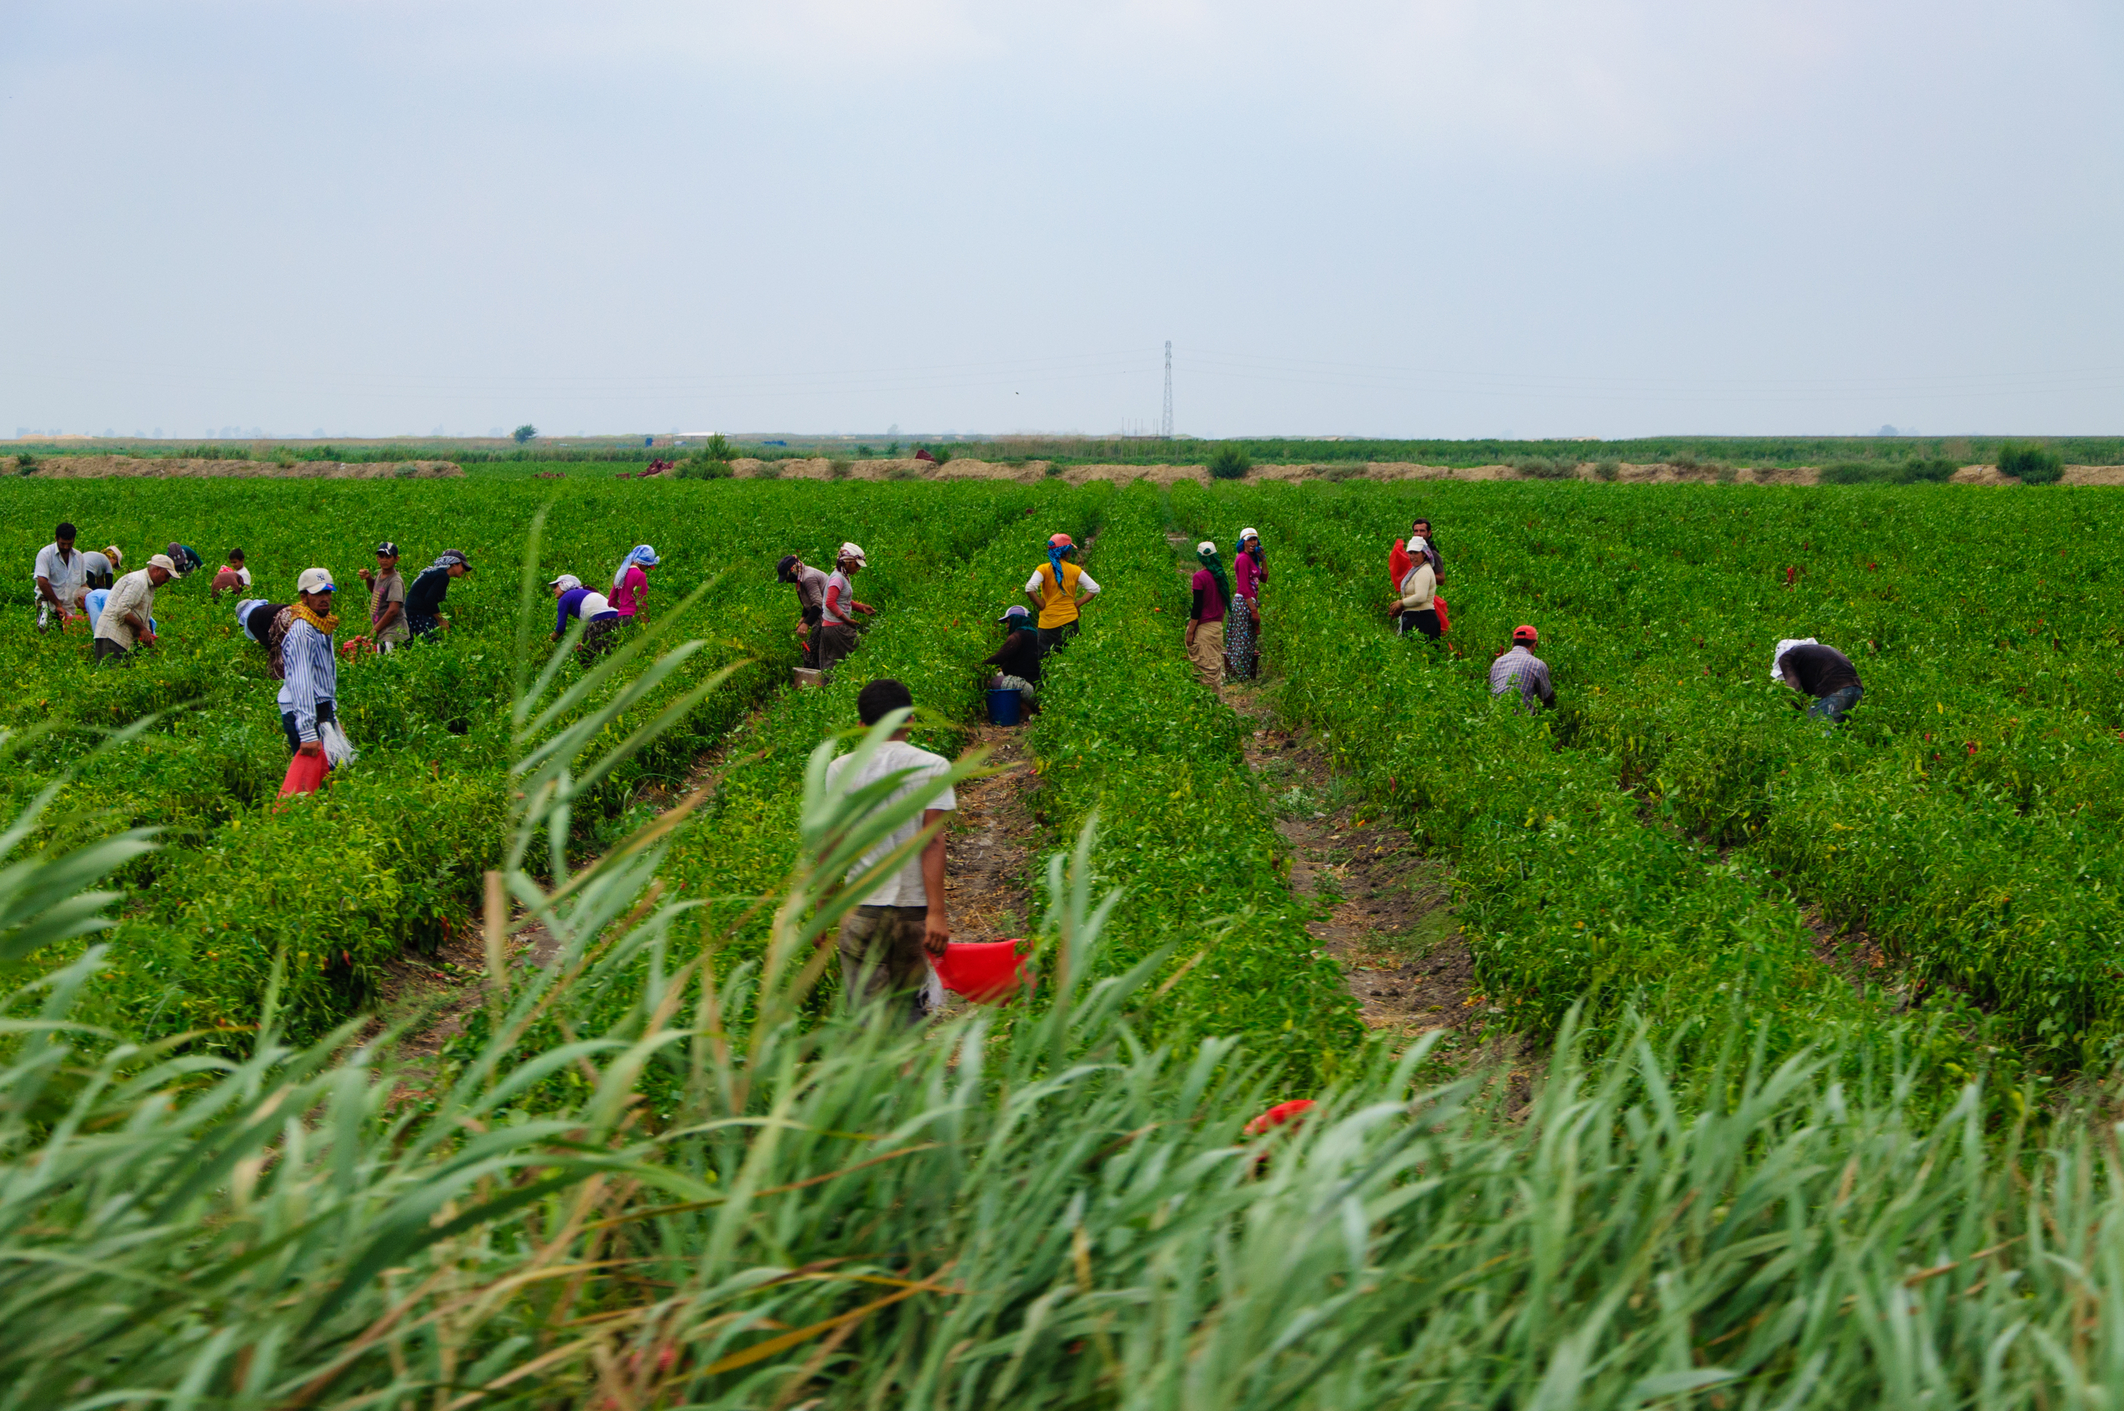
<point x="1003" y="705"/>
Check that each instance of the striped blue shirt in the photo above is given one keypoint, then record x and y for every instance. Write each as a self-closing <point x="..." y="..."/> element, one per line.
<point x="313" y="676"/>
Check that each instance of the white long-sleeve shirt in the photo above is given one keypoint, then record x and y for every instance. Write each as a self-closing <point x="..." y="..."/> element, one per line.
<point x="313" y="676"/>
<point x="1420" y="588"/>
<point x="134" y="594"/>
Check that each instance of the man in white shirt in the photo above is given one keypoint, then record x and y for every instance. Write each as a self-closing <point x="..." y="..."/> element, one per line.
<point x="882" y="941"/>
<point x="62" y="579"/>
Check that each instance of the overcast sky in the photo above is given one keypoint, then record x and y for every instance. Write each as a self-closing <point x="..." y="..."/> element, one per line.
<point x="1428" y="218"/>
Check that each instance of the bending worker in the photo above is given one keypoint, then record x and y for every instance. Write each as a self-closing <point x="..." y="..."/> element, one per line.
<point x="127" y="621"/>
<point x="1059" y="589"/>
<point x="1518" y="668"/>
<point x="310" y="689"/>
<point x="1017" y="661"/>
<point x="810" y="584"/>
<point x="1821" y="672"/>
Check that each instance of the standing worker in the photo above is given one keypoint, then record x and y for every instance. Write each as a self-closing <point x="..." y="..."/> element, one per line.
<point x="1054" y="590"/>
<point x="310" y="691"/>
<point x="424" y="599"/>
<point x="837" y="627"/>
<point x="61" y="576"/>
<point x="632" y="581"/>
<point x="1205" y="616"/>
<point x="128" y="618"/>
<point x="1017" y="661"/>
<point x="1518" y="668"/>
<point x="810" y="585"/>
<point x="1242" y="628"/>
<point x="1415" y="608"/>
<point x="387" y="599"/>
<point x="1821" y="672"/>
<point x="882" y="941"/>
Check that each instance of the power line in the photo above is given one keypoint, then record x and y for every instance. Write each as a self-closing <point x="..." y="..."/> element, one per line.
<point x="1168" y="433"/>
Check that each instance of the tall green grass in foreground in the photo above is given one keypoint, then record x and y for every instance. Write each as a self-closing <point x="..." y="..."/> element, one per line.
<point x="1023" y="1208"/>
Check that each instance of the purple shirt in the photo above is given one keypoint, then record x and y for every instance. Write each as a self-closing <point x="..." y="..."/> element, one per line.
<point x="1205" y="583"/>
<point x="1246" y="576"/>
<point x="569" y="602"/>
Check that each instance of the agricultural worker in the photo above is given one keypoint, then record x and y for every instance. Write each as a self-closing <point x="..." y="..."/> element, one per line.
<point x="837" y="626"/>
<point x="128" y="617"/>
<point x="101" y="565"/>
<point x="1518" y="669"/>
<point x="1059" y="589"/>
<point x="1415" y="607"/>
<point x="424" y="599"/>
<point x="185" y="557"/>
<point x="882" y="941"/>
<point x="92" y="605"/>
<point x="1205" y="616"/>
<point x="599" y="618"/>
<point x="1242" y="628"/>
<point x="632" y="580"/>
<point x="61" y="576"/>
<point x="1821" y="672"/>
<point x="231" y="577"/>
<point x="1402" y="557"/>
<point x="1017" y="661"/>
<point x="311" y="686"/>
<point x="387" y="599"/>
<point x="255" y="616"/>
<point x="810" y="584"/>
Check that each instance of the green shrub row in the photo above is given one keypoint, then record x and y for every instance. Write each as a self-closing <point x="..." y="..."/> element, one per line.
<point x="1575" y="886"/>
<point x="1126" y="730"/>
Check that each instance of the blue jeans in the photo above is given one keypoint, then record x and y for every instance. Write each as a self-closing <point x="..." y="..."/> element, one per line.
<point x="1836" y="705"/>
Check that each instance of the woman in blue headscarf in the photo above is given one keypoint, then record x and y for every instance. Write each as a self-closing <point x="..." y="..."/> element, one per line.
<point x="1059" y="589"/>
<point x="632" y="581"/>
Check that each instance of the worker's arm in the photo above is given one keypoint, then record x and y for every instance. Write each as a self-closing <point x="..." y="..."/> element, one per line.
<point x="1087" y="590"/>
<point x="936" y="928"/>
<point x="44" y="590"/>
<point x="139" y="624"/>
<point x="392" y="612"/>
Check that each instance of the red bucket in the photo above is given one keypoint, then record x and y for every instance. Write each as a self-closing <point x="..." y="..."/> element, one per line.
<point x="986" y="972"/>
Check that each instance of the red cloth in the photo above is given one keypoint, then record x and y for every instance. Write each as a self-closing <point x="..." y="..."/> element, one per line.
<point x="1399" y="562"/>
<point x="306" y="774"/>
<point x="1281" y="1113"/>
<point x="1444" y="626"/>
<point x="986" y="972"/>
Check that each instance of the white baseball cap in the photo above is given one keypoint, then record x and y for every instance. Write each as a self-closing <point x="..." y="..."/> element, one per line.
<point x="315" y="580"/>
<point x="565" y="582"/>
<point x="1246" y="534"/>
<point x="1205" y="547"/>
<point x="852" y="551"/>
<point x="163" y="562"/>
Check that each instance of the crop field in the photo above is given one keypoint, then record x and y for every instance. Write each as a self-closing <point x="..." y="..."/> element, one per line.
<point x="1817" y="1018"/>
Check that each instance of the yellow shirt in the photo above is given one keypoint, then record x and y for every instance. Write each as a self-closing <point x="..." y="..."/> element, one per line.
<point x="1058" y="604"/>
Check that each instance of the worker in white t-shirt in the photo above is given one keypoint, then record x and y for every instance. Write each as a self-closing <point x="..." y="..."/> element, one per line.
<point x="61" y="576"/>
<point x="882" y="942"/>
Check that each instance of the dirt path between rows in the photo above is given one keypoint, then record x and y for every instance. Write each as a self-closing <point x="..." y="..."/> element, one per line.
<point x="1382" y="909"/>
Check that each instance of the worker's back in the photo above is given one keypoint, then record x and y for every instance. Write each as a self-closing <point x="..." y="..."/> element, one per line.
<point x="1058" y="601"/>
